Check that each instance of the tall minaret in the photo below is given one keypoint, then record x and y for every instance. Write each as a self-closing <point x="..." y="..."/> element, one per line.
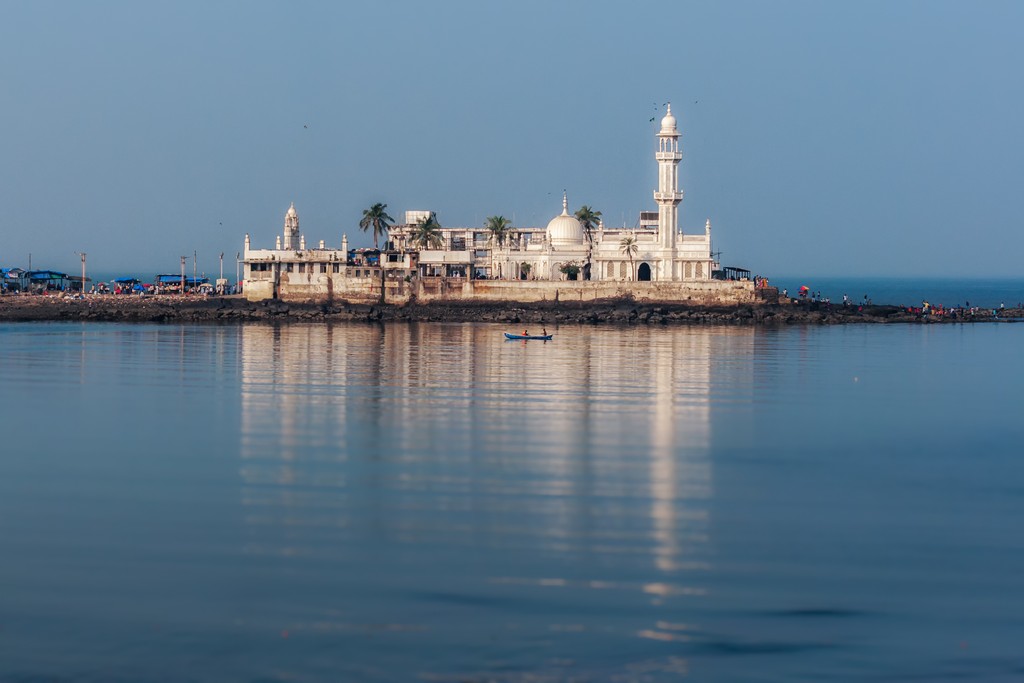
<point x="668" y="195"/>
<point x="291" y="229"/>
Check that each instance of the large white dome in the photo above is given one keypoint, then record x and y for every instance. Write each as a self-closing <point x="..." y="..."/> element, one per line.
<point x="565" y="230"/>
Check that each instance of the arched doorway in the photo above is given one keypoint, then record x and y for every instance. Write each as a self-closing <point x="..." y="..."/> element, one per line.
<point x="643" y="273"/>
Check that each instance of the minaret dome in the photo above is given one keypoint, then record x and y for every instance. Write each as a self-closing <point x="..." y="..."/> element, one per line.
<point x="668" y="123"/>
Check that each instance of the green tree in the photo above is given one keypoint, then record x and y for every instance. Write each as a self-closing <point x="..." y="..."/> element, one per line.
<point x="628" y="246"/>
<point x="427" y="233"/>
<point x="589" y="219"/>
<point x="498" y="227"/>
<point x="376" y="218"/>
<point x="571" y="270"/>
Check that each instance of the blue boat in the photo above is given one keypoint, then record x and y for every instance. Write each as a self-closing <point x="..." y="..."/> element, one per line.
<point x="539" y="337"/>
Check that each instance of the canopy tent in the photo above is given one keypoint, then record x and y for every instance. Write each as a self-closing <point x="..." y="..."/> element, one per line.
<point x="731" y="273"/>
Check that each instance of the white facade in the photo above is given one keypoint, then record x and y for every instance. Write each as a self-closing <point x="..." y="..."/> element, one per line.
<point x="290" y="270"/>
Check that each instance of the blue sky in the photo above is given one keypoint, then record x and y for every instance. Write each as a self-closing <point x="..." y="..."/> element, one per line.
<point x="840" y="138"/>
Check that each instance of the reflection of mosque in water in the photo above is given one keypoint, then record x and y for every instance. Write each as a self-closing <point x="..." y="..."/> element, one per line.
<point x="597" y="445"/>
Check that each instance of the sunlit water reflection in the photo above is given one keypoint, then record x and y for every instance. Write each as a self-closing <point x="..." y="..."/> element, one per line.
<point x="429" y="501"/>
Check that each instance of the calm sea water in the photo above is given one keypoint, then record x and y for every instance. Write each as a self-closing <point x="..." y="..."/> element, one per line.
<point x="429" y="502"/>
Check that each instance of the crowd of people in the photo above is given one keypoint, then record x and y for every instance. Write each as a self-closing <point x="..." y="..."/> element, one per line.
<point x="805" y="294"/>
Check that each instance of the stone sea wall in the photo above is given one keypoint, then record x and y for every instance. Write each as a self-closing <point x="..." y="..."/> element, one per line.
<point x="617" y="311"/>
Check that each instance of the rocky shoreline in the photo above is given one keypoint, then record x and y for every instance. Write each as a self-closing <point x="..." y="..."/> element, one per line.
<point x="616" y="312"/>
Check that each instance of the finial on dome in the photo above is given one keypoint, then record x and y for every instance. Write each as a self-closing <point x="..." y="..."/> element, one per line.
<point x="565" y="203"/>
<point x="669" y="105"/>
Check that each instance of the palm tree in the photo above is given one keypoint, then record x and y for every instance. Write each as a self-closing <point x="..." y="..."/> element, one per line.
<point x="427" y="233"/>
<point x="629" y="247"/>
<point x="589" y="219"/>
<point x="498" y="227"/>
<point x="377" y="219"/>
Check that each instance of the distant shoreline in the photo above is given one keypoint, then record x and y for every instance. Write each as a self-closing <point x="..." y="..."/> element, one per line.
<point x="194" y="309"/>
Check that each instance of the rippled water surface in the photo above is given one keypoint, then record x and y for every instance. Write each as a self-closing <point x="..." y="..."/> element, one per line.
<point x="430" y="502"/>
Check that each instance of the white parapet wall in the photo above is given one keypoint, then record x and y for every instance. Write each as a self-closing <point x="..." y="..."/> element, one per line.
<point x="700" y="293"/>
<point x="325" y="288"/>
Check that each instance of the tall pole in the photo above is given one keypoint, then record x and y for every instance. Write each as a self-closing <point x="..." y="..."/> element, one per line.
<point x="83" y="273"/>
<point x="182" y="292"/>
<point x="238" y="262"/>
<point x="222" y="265"/>
<point x="193" y="269"/>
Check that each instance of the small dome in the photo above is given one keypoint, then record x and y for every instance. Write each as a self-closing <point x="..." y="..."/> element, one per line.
<point x="668" y="124"/>
<point x="565" y="230"/>
<point x="292" y="211"/>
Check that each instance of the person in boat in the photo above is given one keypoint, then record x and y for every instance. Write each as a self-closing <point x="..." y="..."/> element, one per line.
<point x="525" y="333"/>
<point x="544" y="331"/>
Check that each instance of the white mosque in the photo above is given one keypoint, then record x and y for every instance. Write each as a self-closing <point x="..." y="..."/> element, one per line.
<point x="655" y="251"/>
<point x="660" y="251"/>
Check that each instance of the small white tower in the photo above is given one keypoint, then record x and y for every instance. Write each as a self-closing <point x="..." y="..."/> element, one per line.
<point x="668" y="195"/>
<point x="291" y="228"/>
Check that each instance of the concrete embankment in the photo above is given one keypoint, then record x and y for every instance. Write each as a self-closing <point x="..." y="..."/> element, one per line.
<point x="617" y="311"/>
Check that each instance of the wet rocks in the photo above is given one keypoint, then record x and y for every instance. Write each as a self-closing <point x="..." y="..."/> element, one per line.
<point x="608" y="312"/>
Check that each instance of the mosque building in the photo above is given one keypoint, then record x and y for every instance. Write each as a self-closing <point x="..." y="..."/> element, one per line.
<point x="655" y="259"/>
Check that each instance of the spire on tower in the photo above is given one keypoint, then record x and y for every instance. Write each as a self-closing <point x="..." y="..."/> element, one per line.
<point x="291" y="228"/>
<point x="668" y="195"/>
<point x="565" y="203"/>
